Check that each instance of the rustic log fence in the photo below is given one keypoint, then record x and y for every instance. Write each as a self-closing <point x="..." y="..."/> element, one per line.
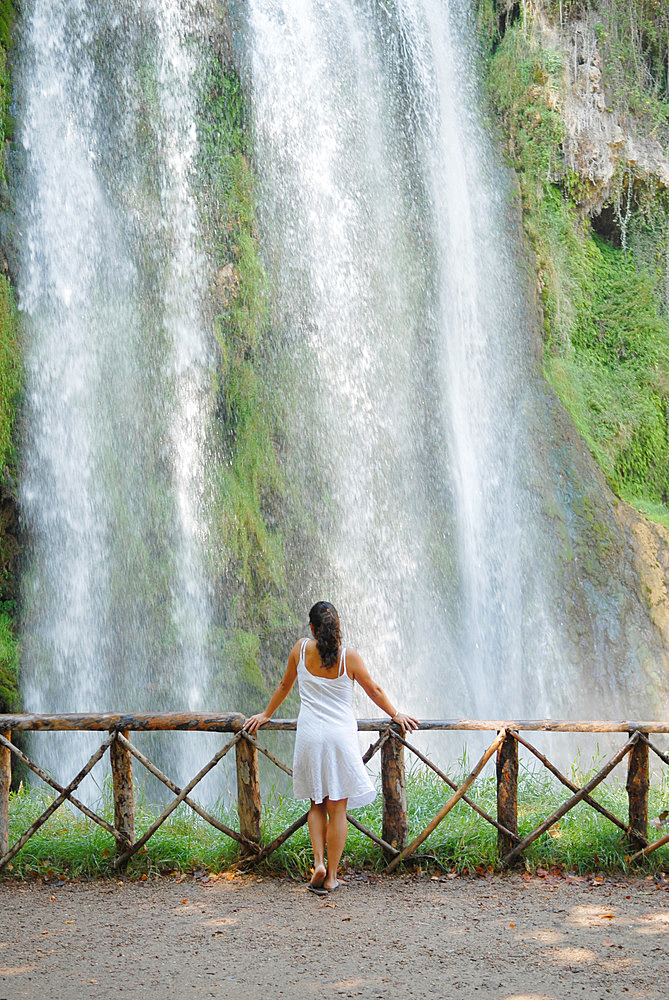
<point x="390" y="743"/>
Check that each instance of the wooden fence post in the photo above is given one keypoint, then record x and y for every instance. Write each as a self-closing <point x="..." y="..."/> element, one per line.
<point x="5" y="782"/>
<point x="507" y="792"/>
<point x="248" y="791"/>
<point x="637" y="792"/>
<point x="393" y="784"/>
<point x="124" y="800"/>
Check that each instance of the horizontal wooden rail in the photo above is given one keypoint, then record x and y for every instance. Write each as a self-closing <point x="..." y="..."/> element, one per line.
<point x="117" y="728"/>
<point x="101" y="722"/>
<point x="231" y="722"/>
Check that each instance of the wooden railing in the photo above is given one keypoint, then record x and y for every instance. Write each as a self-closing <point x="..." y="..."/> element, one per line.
<point x="390" y="743"/>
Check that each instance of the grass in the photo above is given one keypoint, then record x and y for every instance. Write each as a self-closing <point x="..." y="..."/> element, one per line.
<point x="69" y="845"/>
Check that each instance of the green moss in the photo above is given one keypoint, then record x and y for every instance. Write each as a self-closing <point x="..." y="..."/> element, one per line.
<point x="604" y="307"/>
<point x="7" y="18"/>
<point x="10" y="392"/>
<point x="247" y="555"/>
<point x="9" y="664"/>
<point x="10" y="380"/>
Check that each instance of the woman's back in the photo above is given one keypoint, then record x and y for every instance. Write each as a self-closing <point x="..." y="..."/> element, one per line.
<point x="327" y="762"/>
<point x="327" y="696"/>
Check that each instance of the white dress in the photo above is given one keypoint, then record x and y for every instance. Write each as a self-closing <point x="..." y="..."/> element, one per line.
<point x="327" y="761"/>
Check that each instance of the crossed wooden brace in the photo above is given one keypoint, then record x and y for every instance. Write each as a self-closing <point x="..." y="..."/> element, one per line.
<point x="258" y="852"/>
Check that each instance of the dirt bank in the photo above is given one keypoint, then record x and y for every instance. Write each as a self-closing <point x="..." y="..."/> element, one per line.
<point x="516" y="937"/>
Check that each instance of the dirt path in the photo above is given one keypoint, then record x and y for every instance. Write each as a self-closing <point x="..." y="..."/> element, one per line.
<point x="508" y="938"/>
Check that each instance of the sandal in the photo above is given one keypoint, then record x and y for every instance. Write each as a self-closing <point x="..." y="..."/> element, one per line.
<point x="317" y="890"/>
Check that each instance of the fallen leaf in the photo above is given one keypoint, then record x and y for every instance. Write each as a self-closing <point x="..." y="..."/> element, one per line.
<point x="184" y="900"/>
<point x="608" y="916"/>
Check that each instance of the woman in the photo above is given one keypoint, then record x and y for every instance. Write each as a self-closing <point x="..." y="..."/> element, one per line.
<point x="327" y="766"/>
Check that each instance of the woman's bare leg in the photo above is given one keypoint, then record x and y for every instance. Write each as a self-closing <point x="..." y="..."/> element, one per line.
<point x="318" y="821"/>
<point x="337" y="828"/>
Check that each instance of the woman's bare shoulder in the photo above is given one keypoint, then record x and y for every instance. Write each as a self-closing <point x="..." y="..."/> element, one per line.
<point x="353" y="660"/>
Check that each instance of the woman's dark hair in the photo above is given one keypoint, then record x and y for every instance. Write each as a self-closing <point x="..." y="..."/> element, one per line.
<point x="327" y="631"/>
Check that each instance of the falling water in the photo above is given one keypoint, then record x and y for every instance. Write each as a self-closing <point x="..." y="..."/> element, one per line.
<point x="118" y="359"/>
<point x="420" y="427"/>
<point x="425" y="460"/>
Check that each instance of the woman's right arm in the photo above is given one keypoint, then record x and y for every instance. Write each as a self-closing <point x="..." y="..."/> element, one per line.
<point x="282" y="691"/>
<point x="359" y="672"/>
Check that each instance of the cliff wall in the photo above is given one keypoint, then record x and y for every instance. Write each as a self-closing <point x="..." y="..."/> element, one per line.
<point x="581" y="90"/>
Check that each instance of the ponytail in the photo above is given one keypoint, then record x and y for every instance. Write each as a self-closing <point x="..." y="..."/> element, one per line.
<point x="327" y="631"/>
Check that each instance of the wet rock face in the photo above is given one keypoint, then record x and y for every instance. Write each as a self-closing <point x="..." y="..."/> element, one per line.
<point x="598" y="143"/>
<point x="650" y="543"/>
<point x="9" y="548"/>
<point x="613" y="567"/>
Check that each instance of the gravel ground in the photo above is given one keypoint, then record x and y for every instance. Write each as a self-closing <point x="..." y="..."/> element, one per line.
<point x="516" y="937"/>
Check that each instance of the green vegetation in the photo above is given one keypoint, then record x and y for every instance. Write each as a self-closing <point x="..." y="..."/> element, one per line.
<point x="583" y="841"/>
<point x="10" y="381"/>
<point x="604" y="293"/>
<point x="7" y="18"/>
<point x="10" y="390"/>
<point x="634" y="39"/>
<point x="248" y="490"/>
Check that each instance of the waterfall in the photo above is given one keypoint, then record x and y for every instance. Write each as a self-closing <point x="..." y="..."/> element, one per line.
<point x="118" y="360"/>
<point x="423" y="442"/>
<point x="436" y="492"/>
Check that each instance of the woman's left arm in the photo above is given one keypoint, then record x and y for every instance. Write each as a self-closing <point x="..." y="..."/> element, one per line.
<point x="359" y="672"/>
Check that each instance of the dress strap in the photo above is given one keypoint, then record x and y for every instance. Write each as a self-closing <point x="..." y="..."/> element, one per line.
<point x="342" y="662"/>
<point x="302" y="649"/>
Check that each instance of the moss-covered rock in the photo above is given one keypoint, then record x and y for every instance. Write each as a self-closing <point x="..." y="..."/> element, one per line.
<point x="247" y="556"/>
<point x="594" y="181"/>
<point x="10" y="390"/>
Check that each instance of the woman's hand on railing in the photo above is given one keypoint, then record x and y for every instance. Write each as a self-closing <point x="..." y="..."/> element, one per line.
<point x="254" y="722"/>
<point x="407" y="722"/>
